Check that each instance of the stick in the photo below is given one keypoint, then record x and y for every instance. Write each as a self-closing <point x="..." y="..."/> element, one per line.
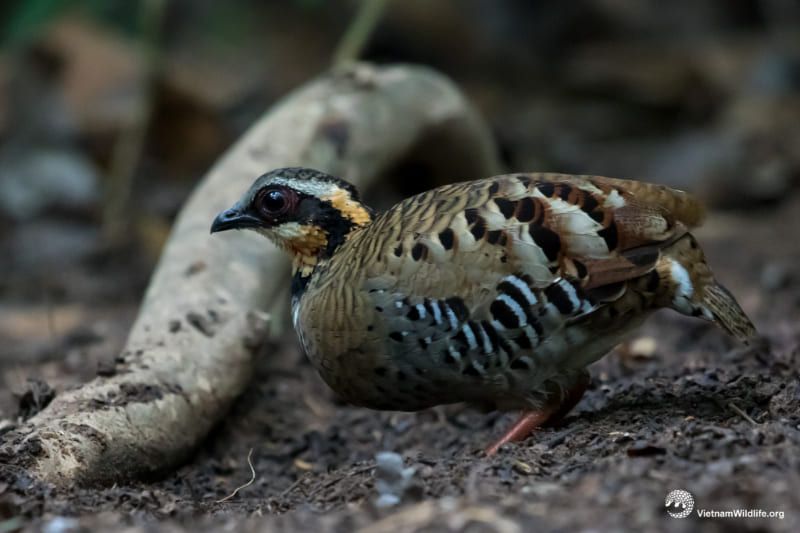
<point x="358" y="32"/>
<point x="240" y="487"/>
<point x="739" y="411"/>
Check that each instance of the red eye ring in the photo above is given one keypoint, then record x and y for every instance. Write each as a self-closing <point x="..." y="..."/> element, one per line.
<point x="272" y="202"/>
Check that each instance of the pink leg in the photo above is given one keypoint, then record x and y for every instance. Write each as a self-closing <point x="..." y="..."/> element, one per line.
<point x="523" y="427"/>
<point x="550" y="414"/>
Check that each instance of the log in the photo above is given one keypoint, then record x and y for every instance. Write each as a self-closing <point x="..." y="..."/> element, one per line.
<point x="190" y="351"/>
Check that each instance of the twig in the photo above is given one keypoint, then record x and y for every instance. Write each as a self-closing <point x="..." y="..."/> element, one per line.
<point x="358" y="33"/>
<point x="736" y="409"/>
<point x="293" y="486"/>
<point x="240" y="487"/>
<point x="334" y="481"/>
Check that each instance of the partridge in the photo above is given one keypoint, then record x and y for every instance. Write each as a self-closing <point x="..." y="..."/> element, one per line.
<point x="497" y="292"/>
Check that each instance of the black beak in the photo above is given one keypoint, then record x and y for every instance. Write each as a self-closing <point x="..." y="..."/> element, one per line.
<point x="234" y="218"/>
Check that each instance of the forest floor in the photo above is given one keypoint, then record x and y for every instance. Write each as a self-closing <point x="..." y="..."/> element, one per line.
<point x="565" y="86"/>
<point x="679" y="407"/>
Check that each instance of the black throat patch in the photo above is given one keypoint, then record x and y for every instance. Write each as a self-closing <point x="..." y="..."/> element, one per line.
<point x="299" y="283"/>
<point x="334" y="223"/>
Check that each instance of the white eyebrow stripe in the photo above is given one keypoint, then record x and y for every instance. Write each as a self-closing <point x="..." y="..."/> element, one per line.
<point x="317" y="188"/>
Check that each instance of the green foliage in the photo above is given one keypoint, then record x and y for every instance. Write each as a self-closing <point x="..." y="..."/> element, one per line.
<point x="21" y="21"/>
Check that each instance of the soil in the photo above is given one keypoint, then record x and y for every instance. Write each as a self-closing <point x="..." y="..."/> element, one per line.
<point x="679" y="407"/>
<point x="702" y="96"/>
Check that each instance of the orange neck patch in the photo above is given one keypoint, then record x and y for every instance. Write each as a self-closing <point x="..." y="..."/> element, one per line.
<point x="307" y="243"/>
<point x="349" y="208"/>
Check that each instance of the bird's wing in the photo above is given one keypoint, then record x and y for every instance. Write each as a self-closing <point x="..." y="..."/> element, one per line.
<point x="460" y="240"/>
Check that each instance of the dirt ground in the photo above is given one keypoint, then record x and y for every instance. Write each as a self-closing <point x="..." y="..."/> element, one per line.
<point x="703" y="96"/>
<point x="682" y="407"/>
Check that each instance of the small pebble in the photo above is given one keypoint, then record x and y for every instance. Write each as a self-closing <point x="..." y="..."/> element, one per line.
<point x="391" y="478"/>
<point x="523" y="468"/>
<point x="644" y="347"/>
<point x="303" y="465"/>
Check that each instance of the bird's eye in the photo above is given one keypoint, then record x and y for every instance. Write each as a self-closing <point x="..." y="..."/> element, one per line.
<point x="272" y="202"/>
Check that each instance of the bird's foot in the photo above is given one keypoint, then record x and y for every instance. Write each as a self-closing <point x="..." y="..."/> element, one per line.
<point x="550" y="414"/>
<point x="523" y="427"/>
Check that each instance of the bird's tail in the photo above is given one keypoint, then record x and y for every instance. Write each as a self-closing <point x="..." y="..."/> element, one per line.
<point x="727" y="313"/>
<point x="694" y="291"/>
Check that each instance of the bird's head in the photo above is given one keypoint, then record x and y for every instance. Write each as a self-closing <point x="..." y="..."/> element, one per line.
<point x="306" y="212"/>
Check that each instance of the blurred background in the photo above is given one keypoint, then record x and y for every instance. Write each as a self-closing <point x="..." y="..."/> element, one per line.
<point x="111" y="110"/>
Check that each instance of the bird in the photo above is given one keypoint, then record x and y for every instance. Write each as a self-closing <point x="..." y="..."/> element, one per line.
<point x="497" y="292"/>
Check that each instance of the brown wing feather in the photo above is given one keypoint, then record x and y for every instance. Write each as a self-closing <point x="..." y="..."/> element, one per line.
<point x="674" y="203"/>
